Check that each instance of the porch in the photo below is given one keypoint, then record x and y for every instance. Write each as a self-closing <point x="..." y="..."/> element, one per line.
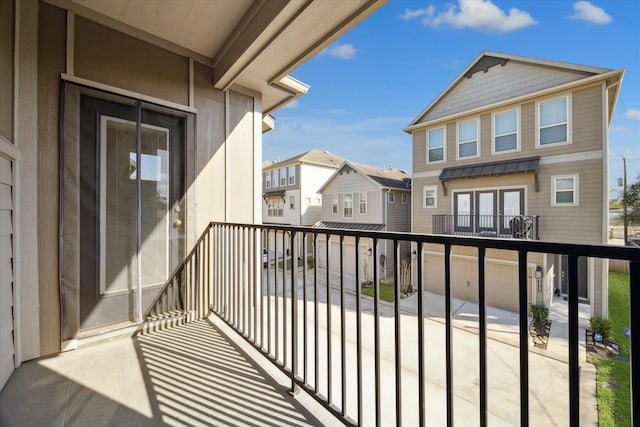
<point x="426" y="359"/>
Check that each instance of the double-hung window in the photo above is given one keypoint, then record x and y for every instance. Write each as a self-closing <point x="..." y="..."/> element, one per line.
<point x="347" y="202"/>
<point x="391" y="197"/>
<point x="564" y="190"/>
<point x="435" y="145"/>
<point x="292" y="175"/>
<point x="334" y="205"/>
<point x="267" y="180"/>
<point x="430" y="196"/>
<point x="276" y="179"/>
<point x="283" y="177"/>
<point x="553" y="121"/>
<point x="468" y="139"/>
<point x="505" y="131"/>
<point x="363" y="203"/>
<point x="292" y="202"/>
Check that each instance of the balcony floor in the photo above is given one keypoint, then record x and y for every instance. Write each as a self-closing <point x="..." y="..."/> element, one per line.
<point x="188" y="375"/>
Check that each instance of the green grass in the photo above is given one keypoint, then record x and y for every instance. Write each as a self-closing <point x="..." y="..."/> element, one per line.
<point x="612" y="376"/>
<point x="385" y="292"/>
<point x="310" y="263"/>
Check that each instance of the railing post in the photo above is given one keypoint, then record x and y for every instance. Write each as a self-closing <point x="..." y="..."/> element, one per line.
<point x="294" y="315"/>
<point x="524" y="338"/>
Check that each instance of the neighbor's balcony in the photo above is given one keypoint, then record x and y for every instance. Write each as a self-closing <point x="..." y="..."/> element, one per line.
<point x="394" y="358"/>
<point x="501" y="226"/>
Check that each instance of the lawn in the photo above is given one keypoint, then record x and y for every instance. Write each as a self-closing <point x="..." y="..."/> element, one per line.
<point x="612" y="375"/>
<point x="310" y="263"/>
<point x="385" y="292"/>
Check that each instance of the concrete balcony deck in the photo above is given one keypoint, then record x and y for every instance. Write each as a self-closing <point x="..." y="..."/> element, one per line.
<point x="193" y="374"/>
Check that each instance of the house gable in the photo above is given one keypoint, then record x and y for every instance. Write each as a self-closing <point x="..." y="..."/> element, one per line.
<point x="494" y="78"/>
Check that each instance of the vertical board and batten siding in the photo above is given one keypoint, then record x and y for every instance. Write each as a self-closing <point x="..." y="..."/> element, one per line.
<point x="6" y="271"/>
<point x="499" y="83"/>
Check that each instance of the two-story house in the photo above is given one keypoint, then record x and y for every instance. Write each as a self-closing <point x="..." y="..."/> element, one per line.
<point x="290" y="188"/>
<point x="362" y="197"/>
<point x="516" y="147"/>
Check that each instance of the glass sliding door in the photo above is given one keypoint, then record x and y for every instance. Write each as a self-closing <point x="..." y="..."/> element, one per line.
<point x="130" y="161"/>
<point x="485" y="215"/>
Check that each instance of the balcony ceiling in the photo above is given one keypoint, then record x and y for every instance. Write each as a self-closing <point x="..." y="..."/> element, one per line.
<point x="255" y="44"/>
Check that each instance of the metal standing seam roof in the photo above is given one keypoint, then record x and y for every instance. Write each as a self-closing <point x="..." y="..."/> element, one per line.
<point x="274" y="193"/>
<point x="505" y="167"/>
<point x="348" y="226"/>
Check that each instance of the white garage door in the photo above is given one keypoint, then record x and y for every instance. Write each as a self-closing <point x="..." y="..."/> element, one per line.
<point x="6" y="271"/>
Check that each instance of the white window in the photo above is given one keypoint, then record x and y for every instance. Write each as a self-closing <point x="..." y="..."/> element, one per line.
<point x="391" y="197"/>
<point x="362" y="197"/>
<point x="283" y="177"/>
<point x="564" y="190"/>
<point x="505" y="131"/>
<point x="430" y="197"/>
<point x="318" y="203"/>
<point x="553" y="122"/>
<point x="436" y="145"/>
<point x="292" y="175"/>
<point x="334" y="205"/>
<point x="276" y="174"/>
<point x="275" y="207"/>
<point x="267" y="180"/>
<point x="307" y="201"/>
<point x="348" y="205"/>
<point x="292" y="202"/>
<point x="468" y="139"/>
<point x="405" y="198"/>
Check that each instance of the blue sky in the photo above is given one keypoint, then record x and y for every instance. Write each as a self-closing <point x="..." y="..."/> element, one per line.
<point x="378" y="77"/>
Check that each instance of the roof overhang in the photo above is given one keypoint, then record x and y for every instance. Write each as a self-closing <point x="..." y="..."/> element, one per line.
<point x="505" y="167"/>
<point x="254" y="44"/>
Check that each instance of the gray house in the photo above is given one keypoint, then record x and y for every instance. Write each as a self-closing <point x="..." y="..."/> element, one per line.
<point x="361" y="197"/>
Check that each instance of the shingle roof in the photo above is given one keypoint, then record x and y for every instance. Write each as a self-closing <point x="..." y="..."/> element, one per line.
<point x="314" y="156"/>
<point x="388" y="178"/>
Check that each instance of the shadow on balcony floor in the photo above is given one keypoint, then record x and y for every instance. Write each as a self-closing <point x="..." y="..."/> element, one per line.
<point x="188" y="375"/>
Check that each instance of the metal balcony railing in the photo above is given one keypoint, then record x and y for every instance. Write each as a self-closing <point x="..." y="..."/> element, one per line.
<point x="366" y="361"/>
<point x="502" y="226"/>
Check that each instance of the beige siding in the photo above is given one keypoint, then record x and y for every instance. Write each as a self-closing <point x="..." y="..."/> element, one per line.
<point x="399" y="214"/>
<point x="499" y="84"/>
<point x="6" y="69"/>
<point x="210" y="178"/>
<point x="242" y="175"/>
<point x="6" y="271"/>
<point x="353" y="184"/>
<point x="107" y="56"/>
<point x="51" y="62"/>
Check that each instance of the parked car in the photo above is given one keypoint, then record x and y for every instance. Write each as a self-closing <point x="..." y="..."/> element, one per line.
<point x="265" y="258"/>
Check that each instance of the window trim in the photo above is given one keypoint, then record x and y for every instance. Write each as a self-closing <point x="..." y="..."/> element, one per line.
<point x="404" y="198"/>
<point x="360" y="204"/>
<point x="275" y="207"/>
<point x="292" y="202"/>
<point x="435" y="196"/>
<point x="575" y="189"/>
<point x="391" y="197"/>
<point x="291" y="177"/>
<point x="493" y="132"/>
<point x="335" y="204"/>
<point x="275" y="182"/>
<point x="267" y="181"/>
<point x="569" y="123"/>
<point x="344" y="205"/>
<point x="283" y="176"/>
<point x="444" y="145"/>
<point x="477" y="140"/>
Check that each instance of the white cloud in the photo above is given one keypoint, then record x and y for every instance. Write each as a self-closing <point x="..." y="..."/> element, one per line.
<point x="341" y="51"/>
<point x="591" y="13"/>
<point x="633" y="114"/>
<point x="475" y="14"/>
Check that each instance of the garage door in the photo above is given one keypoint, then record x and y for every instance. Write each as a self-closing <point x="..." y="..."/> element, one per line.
<point x="6" y="271"/>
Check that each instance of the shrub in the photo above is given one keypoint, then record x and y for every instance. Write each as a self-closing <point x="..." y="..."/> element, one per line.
<point x="539" y="312"/>
<point x="601" y="326"/>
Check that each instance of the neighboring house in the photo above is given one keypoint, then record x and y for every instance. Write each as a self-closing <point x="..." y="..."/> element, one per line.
<point x="361" y="197"/>
<point x="290" y="187"/>
<point x="125" y="128"/>
<point x="516" y="147"/>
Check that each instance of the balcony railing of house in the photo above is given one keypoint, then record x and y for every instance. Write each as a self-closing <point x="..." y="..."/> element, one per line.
<point x="502" y="226"/>
<point x="370" y="362"/>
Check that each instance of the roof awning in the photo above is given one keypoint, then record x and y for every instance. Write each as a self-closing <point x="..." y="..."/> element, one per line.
<point x="505" y="167"/>
<point x="348" y="226"/>
<point x="274" y="193"/>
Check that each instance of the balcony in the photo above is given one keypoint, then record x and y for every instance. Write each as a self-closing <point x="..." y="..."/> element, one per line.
<point x="500" y="226"/>
<point x="229" y="338"/>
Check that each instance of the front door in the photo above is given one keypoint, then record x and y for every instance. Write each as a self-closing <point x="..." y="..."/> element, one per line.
<point x="562" y="278"/>
<point x="132" y="169"/>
